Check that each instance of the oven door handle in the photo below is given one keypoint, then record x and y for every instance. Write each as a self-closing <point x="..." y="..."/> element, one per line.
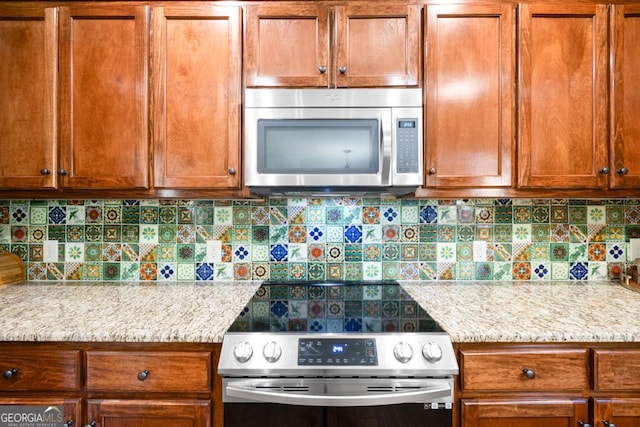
<point x="242" y="389"/>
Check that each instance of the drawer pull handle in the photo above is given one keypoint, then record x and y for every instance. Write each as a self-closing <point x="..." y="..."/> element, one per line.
<point x="10" y="373"/>
<point x="143" y="375"/>
<point x="529" y="373"/>
<point x="583" y="424"/>
<point x="608" y="424"/>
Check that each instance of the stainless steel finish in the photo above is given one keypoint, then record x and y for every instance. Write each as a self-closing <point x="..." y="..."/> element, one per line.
<point x="236" y="346"/>
<point x="338" y="392"/>
<point x="385" y="105"/>
<point x="432" y="352"/>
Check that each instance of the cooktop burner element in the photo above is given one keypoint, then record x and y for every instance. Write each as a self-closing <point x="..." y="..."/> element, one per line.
<point x="333" y="307"/>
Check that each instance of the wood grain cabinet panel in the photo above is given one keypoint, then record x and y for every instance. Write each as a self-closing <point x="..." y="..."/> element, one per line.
<point x="563" y="96"/>
<point x="39" y="370"/>
<point x="360" y="44"/>
<point x="547" y="412"/>
<point x="149" y="371"/>
<point x="104" y="96"/>
<point x="525" y="370"/>
<point x="621" y="411"/>
<point x="625" y="96"/>
<point x="28" y="73"/>
<point x="149" y="413"/>
<point x="196" y="97"/>
<point x="470" y="95"/>
<point x="616" y="369"/>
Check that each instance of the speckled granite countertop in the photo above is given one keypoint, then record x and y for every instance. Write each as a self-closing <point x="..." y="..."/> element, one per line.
<point x="532" y="312"/>
<point x="202" y="312"/>
<point x="122" y="312"/>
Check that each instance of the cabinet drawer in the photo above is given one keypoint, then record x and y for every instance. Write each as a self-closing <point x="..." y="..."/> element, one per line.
<point x="617" y="369"/>
<point x="149" y="371"/>
<point x="39" y="370"/>
<point x="502" y="369"/>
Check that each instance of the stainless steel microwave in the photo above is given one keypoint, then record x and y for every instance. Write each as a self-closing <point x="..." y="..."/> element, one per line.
<point x="319" y="141"/>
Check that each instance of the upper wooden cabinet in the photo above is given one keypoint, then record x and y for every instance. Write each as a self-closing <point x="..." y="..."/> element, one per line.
<point x="470" y="75"/>
<point x="625" y="96"/>
<point x="104" y="96"/>
<point x="28" y="71"/>
<point x="196" y="96"/>
<point x="317" y="45"/>
<point x="563" y="96"/>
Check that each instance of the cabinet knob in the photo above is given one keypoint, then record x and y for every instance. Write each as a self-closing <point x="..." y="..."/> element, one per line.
<point x="342" y="69"/>
<point x="143" y="375"/>
<point x="583" y="424"/>
<point x="433" y="171"/>
<point x="608" y="424"/>
<point x="69" y="423"/>
<point x="91" y="424"/>
<point x="529" y="373"/>
<point x="62" y="171"/>
<point x="232" y="171"/>
<point x="9" y="373"/>
<point x="323" y="69"/>
<point x="623" y="171"/>
<point x="45" y="171"/>
<point x="605" y="170"/>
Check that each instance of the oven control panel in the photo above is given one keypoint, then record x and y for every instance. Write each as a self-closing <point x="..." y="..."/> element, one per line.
<point x="337" y="352"/>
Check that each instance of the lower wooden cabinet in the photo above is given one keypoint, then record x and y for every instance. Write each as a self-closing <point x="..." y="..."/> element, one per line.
<point x="115" y="384"/>
<point x="149" y="413"/>
<point x="564" y="385"/>
<point x="548" y="412"/>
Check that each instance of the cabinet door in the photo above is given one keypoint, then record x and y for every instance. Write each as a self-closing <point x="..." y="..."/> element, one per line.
<point x="149" y="413"/>
<point x="563" y="96"/>
<point x="28" y="48"/>
<point x="625" y="96"/>
<point x="470" y="95"/>
<point x="619" y="411"/>
<point x="378" y="44"/>
<point x="287" y="45"/>
<point x="104" y="96"/>
<point x="523" y="413"/>
<point x="70" y="415"/>
<point x="196" y="103"/>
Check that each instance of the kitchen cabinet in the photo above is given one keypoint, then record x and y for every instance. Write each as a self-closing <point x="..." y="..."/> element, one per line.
<point x="470" y="95"/>
<point x="115" y="384"/>
<point x="104" y="94"/>
<point x="550" y="384"/>
<point x="359" y="44"/>
<point x="563" y="96"/>
<point x="196" y="96"/>
<point x="28" y="72"/>
<point x="625" y="96"/>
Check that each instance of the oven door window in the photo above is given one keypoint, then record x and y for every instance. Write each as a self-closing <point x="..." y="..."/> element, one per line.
<point x="319" y="146"/>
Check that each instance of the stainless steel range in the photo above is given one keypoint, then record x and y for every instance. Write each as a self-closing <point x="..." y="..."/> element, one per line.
<point x="336" y="352"/>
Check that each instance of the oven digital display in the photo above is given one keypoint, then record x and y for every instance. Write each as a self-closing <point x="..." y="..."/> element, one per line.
<point x="337" y="352"/>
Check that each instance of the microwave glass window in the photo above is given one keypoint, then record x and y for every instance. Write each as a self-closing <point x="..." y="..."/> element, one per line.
<point x="346" y="146"/>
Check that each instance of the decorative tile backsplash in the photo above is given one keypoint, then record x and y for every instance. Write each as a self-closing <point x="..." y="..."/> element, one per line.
<point x="350" y="238"/>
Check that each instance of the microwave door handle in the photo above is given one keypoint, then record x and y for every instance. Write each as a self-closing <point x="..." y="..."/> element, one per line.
<point x="386" y="146"/>
<point x="243" y="390"/>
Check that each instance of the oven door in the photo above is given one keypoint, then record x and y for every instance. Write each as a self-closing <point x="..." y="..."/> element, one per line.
<point x="318" y="147"/>
<point x="337" y="402"/>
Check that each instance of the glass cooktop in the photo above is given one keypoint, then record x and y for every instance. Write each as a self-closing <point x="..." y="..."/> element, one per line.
<point x="333" y="307"/>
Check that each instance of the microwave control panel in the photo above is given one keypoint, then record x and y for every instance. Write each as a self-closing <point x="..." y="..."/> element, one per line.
<point x="407" y="141"/>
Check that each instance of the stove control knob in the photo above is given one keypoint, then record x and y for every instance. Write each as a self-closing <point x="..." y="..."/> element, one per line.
<point x="272" y="351"/>
<point x="243" y="351"/>
<point x="432" y="352"/>
<point x="403" y="352"/>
